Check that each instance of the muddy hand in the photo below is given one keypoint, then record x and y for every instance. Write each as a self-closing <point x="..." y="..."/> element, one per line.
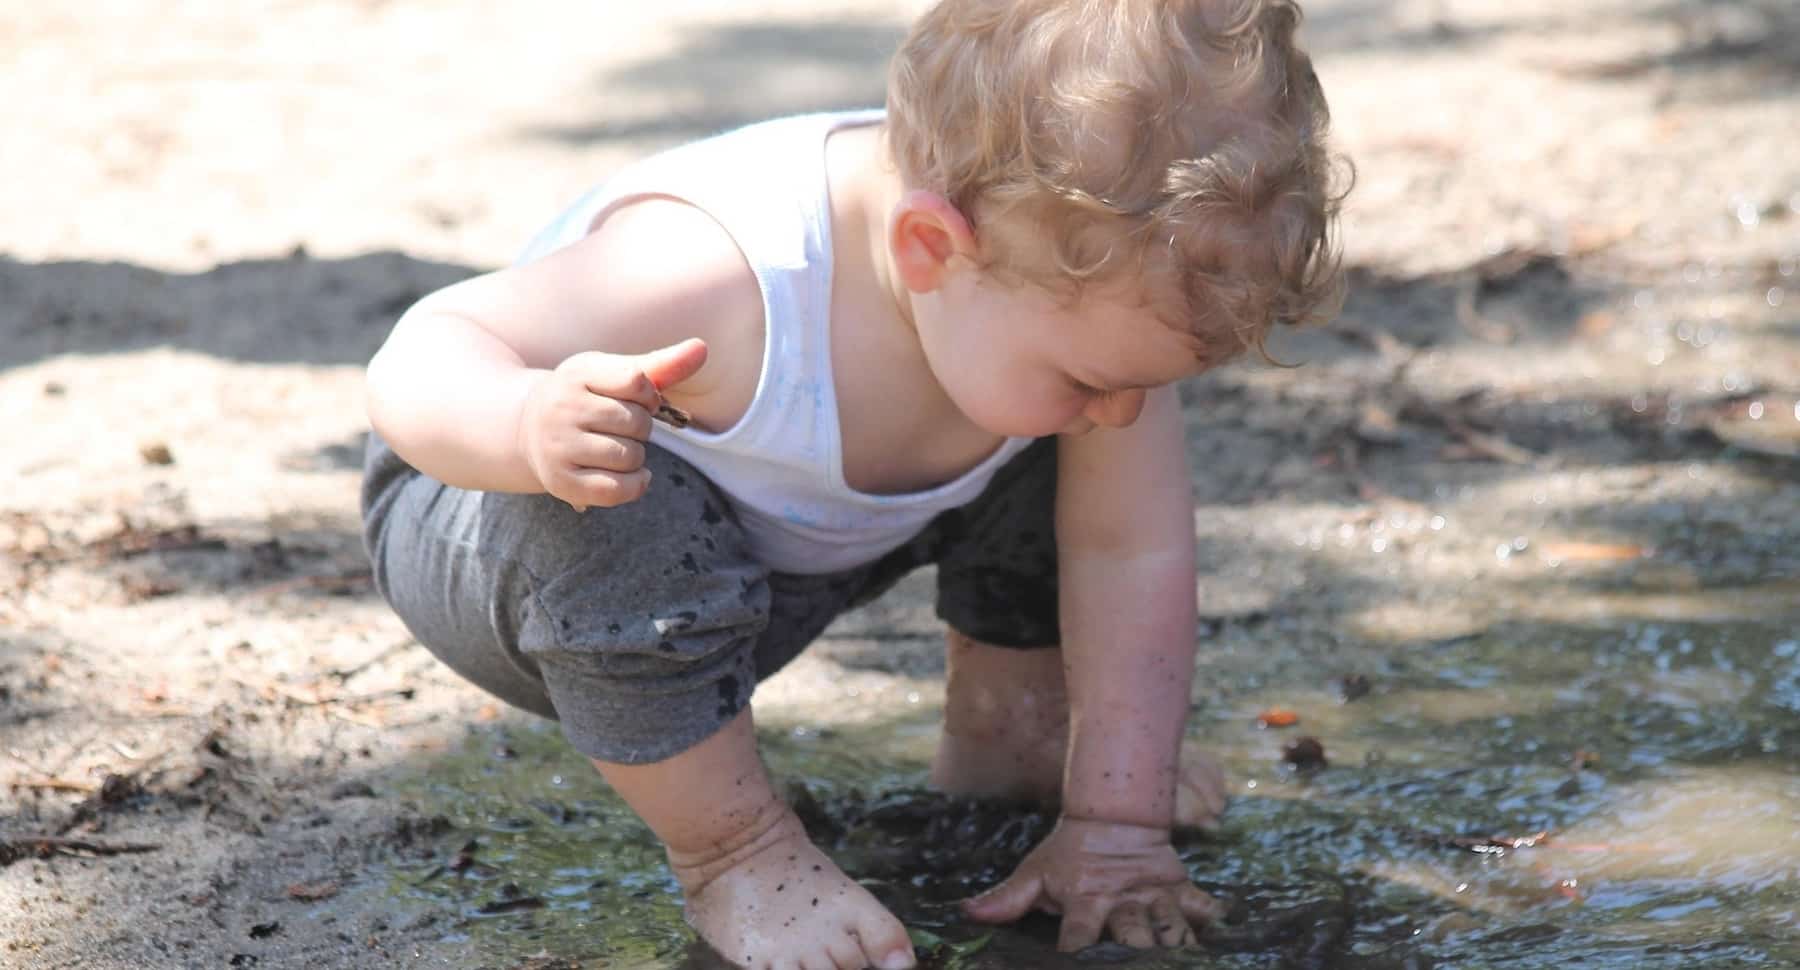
<point x="584" y="425"/>
<point x="1102" y="878"/>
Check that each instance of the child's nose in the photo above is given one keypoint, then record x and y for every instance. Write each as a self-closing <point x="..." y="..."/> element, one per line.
<point x="1117" y="410"/>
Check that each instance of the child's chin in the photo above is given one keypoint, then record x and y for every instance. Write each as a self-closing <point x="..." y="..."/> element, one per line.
<point x="1019" y="429"/>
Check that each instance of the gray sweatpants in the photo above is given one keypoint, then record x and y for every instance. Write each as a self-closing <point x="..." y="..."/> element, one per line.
<point x="643" y="629"/>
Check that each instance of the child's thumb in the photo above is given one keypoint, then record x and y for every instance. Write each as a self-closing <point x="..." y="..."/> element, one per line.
<point x="669" y="366"/>
<point x="1004" y="903"/>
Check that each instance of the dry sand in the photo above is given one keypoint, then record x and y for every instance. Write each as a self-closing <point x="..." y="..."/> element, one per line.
<point x="1573" y="248"/>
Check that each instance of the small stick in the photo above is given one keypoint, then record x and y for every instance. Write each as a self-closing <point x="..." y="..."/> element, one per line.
<point x="45" y="846"/>
<point x="55" y="784"/>
<point x="345" y="673"/>
<point x="352" y="717"/>
<point x="300" y="697"/>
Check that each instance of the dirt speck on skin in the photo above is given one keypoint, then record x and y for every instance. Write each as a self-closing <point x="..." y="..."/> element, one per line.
<point x="1562" y="392"/>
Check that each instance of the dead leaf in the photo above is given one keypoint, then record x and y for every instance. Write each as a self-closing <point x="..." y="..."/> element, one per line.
<point x="1596" y="324"/>
<point x="312" y="892"/>
<point x="1594" y="551"/>
<point x="1276" y="717"/>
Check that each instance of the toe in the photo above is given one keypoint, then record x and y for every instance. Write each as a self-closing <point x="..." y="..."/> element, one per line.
<point x="885" y="944"/>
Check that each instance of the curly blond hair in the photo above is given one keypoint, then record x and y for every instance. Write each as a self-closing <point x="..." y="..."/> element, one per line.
<point x="1086" y="139"/>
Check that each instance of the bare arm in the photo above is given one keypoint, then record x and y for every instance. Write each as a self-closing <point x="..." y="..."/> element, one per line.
<point x="1124" y="535"/>
<point x="1124" y="526"/>
<point x="451" y="388"/>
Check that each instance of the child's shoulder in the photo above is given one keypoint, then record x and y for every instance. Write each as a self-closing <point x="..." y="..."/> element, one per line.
<point x="666" y="271"/>
<point x="670" y="254"/>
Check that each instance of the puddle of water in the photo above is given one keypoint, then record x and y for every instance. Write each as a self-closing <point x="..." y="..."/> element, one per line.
<point x="1660" y="754"/>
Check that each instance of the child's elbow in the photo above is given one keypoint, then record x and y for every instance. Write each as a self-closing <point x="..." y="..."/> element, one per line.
<point x="378" y="395"/>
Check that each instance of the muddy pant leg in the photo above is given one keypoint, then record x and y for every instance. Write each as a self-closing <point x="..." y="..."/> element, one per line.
<point x="456" y="598"/>
<point x="638" y="627"/>
<point x="996" y="556"/>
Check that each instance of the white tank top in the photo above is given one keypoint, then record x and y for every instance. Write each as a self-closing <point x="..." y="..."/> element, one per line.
<point x="781" y="466"/>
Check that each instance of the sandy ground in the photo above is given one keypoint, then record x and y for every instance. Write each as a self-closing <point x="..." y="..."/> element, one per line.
<point x="1573" y="245"/>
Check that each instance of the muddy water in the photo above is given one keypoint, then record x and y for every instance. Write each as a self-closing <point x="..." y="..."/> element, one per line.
<point x="1604" y="786"/>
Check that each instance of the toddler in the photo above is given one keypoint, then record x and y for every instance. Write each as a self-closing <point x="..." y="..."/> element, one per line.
<point x="750" y="382"/>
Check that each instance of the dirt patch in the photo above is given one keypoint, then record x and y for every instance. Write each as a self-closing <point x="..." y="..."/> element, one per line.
<point x="1563" y="391"/>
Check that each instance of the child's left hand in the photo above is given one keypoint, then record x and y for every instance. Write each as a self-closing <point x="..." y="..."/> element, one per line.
<point x="1102" y="877"/>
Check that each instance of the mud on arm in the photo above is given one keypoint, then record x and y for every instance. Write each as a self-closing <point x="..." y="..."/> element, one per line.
<point x="1126" y="561"/>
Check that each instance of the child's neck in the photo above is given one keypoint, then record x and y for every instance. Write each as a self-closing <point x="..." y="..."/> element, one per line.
<point x="865" y="187"/>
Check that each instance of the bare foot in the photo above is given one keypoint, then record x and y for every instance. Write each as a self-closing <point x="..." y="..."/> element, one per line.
<point x="782" y="904"/>
<point x="1006" y="730"/>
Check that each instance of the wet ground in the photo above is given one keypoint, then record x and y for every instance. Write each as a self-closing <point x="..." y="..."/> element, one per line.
<point x="1600" y="794"/>
<point x="1517" y="545"/>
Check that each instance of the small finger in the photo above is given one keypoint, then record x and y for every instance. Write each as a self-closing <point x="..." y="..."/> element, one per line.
<point x="1168" y="923"/>
<point x="1007" y="901"/>
<point x="1130" y="925"/>
<point x="1081" y="926"/>
<point x="1198" y="907"/>
<point x="605" y="415"/>
<point x="606" y="489"/>
<point x="606" y="452"/>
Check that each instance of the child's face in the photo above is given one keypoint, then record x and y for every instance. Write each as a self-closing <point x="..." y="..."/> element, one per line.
<point x="1017" y="361"/>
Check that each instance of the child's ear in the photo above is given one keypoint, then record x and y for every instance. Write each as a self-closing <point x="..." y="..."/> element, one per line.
<point x="926" y="234"/>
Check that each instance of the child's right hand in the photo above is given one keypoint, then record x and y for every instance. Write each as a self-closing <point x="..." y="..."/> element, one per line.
<point x="583" y="426"/>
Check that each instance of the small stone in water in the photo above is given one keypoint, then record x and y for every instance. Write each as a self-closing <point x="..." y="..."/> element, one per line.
<point x="1352" y="686"/>
<point x="1305" y="753"/>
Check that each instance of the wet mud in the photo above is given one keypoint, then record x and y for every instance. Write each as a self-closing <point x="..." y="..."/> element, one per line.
<point x="1528" y="794"/>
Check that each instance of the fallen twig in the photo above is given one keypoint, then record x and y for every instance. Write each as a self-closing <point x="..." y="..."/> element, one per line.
<point x="343" y="674"/>
<point x="55" y="784"/>
<point x="131" y="540"/>
<point x="45" y="846"/>
<point x="1489" y="445"/>
<point x="314" y="695"/>
<point x="351" y="717"/>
